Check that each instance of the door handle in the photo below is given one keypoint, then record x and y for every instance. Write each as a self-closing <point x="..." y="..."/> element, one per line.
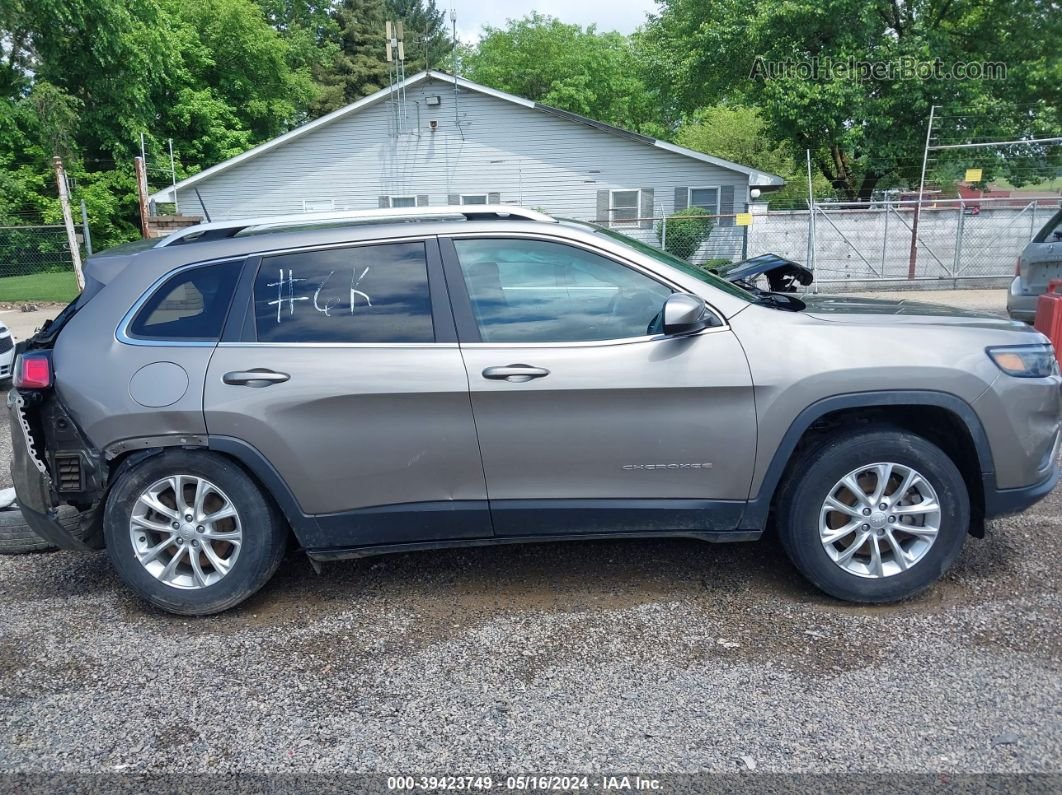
<point x="515" y="373"/>
<point x="254" y="378"/>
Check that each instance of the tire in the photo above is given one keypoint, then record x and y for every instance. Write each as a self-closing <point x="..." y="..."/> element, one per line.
<point x="16" y="537"/>
<point x="804" y="519"/>
<point x="251" y="561"/>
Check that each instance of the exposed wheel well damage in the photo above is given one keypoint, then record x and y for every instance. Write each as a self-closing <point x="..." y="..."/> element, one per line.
<point x="937" y="424"/>
<point x="129" y="460"/>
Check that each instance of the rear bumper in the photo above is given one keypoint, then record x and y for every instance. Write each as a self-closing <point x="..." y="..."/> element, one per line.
<point x="1021" y="304"/>
<point x="34" y="488"/>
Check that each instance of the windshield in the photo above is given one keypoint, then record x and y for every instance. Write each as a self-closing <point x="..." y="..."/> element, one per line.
<point x="670" y="259"/>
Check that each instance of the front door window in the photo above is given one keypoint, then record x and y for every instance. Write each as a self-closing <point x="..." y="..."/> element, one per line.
<point x="540" y="291"/>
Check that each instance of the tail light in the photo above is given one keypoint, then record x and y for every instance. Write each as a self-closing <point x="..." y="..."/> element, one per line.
<point x="33" y="371"/>
<point x="1017" y="267"/>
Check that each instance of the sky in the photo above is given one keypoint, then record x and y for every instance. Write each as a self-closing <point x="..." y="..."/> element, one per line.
<point x="621" y="15"/>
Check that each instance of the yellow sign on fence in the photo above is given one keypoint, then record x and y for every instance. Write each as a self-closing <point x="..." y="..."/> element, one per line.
<point x="743" y="219"/>
<point x="973" y="175"/>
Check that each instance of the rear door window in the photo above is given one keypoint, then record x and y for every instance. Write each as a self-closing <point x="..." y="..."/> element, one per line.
<point x="190" y="306"/>
<point x="360" y="294"/>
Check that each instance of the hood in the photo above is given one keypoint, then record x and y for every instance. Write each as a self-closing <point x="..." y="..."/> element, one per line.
<point x="841" y="308"/>
<point x="783" y="275"/>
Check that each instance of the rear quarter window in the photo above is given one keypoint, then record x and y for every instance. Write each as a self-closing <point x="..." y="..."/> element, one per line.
<point x="191" y="305"/>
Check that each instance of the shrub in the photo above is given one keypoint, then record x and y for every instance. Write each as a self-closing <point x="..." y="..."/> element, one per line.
<point x="686" y="231"/>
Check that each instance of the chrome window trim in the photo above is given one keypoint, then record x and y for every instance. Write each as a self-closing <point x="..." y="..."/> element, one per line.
<point x="122" y="336"/>
<point x="418" y="345"/>
<point x="594" y="343"/>
<point x="122" y="331"/>
<point x="636" y="266"/>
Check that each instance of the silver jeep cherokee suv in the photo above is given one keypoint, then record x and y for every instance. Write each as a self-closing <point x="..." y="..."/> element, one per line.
<point x="403" y="380"/>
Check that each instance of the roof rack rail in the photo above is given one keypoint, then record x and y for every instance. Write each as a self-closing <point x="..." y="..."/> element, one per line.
<point x="220" y="230"/>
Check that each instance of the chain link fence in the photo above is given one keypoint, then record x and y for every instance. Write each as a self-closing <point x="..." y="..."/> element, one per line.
<point x="959" y="242"/>
<point x="28" y="250"/>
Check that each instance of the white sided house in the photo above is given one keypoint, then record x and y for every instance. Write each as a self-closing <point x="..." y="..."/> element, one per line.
<point x="437" y="140"/>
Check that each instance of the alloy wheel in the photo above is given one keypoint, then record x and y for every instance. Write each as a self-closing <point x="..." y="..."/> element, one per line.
<point x="880" y="520"/>
<point x="185" y="531"/>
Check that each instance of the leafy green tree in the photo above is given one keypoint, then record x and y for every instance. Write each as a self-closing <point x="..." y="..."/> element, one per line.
<point x="311" y="33"/>
<point x="738" y="133"/>
<point x="232" y="85"/>
<point x="569" y="67"/>
<point x="112" y="56"/>
<point x="864" y="130"/>
<point x="84" y="79"/>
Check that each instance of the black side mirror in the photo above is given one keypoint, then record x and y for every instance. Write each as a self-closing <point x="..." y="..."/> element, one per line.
<point x="685" y="314"/>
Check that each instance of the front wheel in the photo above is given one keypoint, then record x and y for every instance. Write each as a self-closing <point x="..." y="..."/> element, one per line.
<point x="192" y="533"/>
<point x="875" y="515"/>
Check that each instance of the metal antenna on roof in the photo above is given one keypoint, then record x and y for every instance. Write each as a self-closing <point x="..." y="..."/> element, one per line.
<point x="457" y="115"/>
<point x="394" y="34"/>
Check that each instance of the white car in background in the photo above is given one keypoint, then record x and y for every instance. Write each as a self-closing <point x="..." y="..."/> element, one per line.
<point x="7" y="353"/>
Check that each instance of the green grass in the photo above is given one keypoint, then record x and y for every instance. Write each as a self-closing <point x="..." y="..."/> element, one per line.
<point x="58" y="287"/>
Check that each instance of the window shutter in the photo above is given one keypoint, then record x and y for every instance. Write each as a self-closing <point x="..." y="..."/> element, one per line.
<point x="385" y="202"/>
<point x="602" y="207"/>
<point x="453" y="198"/>
<point x="726" y="205"/>
<point x="422" y="199"/>
<point x="493" y="198"/>
<point x="682" y="198"/>
<point x="646" y="210"/>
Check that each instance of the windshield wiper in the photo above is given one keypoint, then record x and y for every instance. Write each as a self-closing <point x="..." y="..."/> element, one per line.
<point x="786" y="303"/>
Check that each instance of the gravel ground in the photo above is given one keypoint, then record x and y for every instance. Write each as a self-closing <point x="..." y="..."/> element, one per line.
<point x="649" y="656"/>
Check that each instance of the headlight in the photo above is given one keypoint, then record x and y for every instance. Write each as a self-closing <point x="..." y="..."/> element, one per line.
<point x="1025" y="361"/>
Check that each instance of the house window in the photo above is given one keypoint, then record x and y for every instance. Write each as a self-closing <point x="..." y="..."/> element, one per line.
<point x="402" y="201"/>
<point x="623" y="209"/>
<point x="318" y="205"/>
<point x="708" y="198"/>
<point x="473" y="198"/>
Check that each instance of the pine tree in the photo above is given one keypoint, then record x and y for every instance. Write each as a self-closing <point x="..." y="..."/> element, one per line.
<point x="360" y="67"/>
<point x="428" y="44"/>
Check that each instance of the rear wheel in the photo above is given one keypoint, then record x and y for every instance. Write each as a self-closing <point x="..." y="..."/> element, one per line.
<point x="192" y="533"/>
<point x="875" y="515"/>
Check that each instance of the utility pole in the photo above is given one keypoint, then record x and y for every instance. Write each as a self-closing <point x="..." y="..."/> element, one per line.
<point x="142" y="194"/>
<point x="68" y="221"/>
<point x="811" y="216"/>
<point x="173" y="176"/>
<point x="913" y="260"/>
<point x="85" y="228"/>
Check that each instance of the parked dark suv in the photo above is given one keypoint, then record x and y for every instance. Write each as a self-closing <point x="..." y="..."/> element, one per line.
<point x="401" y="380"/>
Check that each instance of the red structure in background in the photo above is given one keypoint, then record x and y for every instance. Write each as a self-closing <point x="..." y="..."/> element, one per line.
<point x="1049" y="315"/>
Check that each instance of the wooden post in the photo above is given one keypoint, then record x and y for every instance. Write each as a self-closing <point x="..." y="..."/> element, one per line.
<point x="912" y="262"/>
<point x="142" y="195"/>
<point x="68" y="221"/>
